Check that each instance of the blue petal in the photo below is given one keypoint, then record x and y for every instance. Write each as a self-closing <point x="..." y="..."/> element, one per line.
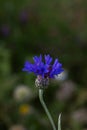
<point x="28" y="67"/>
<point x="48" y="59"/>
<point x="55" y="63"/>
<point x="37" y="59"/>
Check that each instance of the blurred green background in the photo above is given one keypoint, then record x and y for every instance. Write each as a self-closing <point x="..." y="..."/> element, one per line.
<point x="34" y="27"/>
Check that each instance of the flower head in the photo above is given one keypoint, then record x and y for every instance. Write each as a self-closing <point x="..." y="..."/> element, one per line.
<point x="43" y="70"/>
<point x="22" y="93"/>
<point x="17" y="127"/>
<point x="24" y="109"/>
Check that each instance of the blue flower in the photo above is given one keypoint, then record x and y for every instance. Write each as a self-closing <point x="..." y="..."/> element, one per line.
<point x="44" y="69"/>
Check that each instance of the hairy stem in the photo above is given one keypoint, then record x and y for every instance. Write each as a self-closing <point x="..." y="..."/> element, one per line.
<point x="46" y="109"/>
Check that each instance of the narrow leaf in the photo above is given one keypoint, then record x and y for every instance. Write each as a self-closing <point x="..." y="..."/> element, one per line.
<point x="59" y="122"/>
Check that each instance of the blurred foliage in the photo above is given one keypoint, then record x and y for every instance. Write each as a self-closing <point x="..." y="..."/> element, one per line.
<point x="29" y="28"/>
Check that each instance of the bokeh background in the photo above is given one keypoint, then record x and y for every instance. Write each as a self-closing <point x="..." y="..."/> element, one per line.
<point x="34" y="27"/>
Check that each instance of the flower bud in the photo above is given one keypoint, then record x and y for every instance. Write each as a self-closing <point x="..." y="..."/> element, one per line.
<point x="41" y="82"/>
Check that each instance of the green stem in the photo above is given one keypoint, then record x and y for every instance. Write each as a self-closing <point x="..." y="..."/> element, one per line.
<point x="46" y="109"/>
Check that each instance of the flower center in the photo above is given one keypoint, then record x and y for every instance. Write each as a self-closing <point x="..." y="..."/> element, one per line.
<point x="48" y="73"/>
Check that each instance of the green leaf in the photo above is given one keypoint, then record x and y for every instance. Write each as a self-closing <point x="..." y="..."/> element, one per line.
<point x="59" y="122"/>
